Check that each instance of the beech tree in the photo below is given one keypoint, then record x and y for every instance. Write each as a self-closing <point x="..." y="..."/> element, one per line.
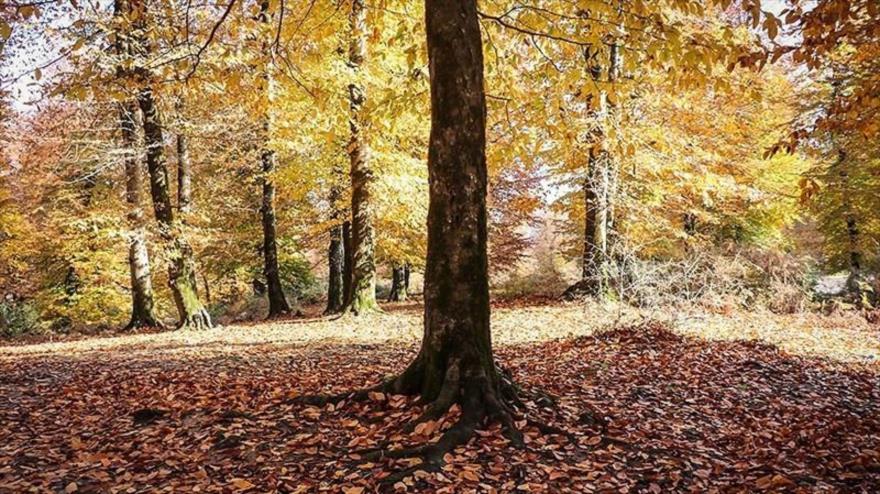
<point x="142" y="307"/>
<point x="363" y="273"/>
<point x="399" y="283"/>
<point x="455" y="364"/>
<point x="278" y="305"/>
<point x="177" y="250"/>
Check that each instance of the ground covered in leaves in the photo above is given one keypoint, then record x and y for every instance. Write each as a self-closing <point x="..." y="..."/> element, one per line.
<point x="677" y="411"/>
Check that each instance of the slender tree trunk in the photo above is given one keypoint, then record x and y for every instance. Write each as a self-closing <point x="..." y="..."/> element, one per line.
<point x="336" y="268"/>
<point x="184" y="176"/>
<point x="336" y="263"/>
<point x="398" y="285"/>
<point x="600" y="189"/>
<point x="278" y="305"/>
<point x="406" y="271"/>
<point x="142" y="307"/>
<point x="854" y="280"/>
<point x="363" y="290"/>
<point x="207" y="288"/>
<point x="347" y="262"/>
<point x="181" y="263"/>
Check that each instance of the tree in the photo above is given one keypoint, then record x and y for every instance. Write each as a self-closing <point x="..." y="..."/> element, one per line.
<point x="177" y="250"/>
<point x="455" y="364"/>
<point x="278" y="305"/>
<point x="363" y="285"/>
<point x="142" y="307"/>
<point x="398" y="283"/>
<point x="184" y="167"/>
<point x="599" y="181"/>
<point x="336" y="254"/>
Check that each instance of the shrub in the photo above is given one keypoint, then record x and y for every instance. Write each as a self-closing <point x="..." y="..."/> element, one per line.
<point x="17" y="318"/>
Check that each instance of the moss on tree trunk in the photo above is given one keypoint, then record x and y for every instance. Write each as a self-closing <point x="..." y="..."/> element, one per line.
<point x="178" y="253"/>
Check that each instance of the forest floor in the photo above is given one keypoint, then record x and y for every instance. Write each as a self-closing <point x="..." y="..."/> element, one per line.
<point x="692" y="401"/>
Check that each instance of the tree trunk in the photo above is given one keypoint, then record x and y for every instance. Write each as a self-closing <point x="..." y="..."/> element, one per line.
<point x="184" y="176"/>
<point x="278" y="305"/>
<point x="179" y="255"/>
<point x="455" y="363"/>
<point x="363" y="289"/>
<point x="335" y="261"/>
<point x="142" y="306"/>
<point x="398" y="285"/>
<point x="347" y="261"/>
<point x="406" y="272"/>
<point x="600" y="189"/>
<point x="138" y="257"/>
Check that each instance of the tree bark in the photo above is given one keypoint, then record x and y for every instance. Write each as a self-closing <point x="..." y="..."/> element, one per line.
<point x="179" y="255"/>
<point x="363" y="289"/>
<point x="336" y="263"/>
<point x="455" y="363"/>
<point x="278" y="305"/>
<point x="184" y="176"/>
<point x="398" y="284"/>
<point x="142" y="305"/>
<point x="347" y="262"/>
<point x="600" y="188"/>
<point x="336" y="268"/>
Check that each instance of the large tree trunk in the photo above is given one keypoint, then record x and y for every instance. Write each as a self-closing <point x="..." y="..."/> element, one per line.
<point x="398" y="284"/>
<point x="179" y="255"/>
<point x="138" y="257"/>
<point x="363" y="289"/>
<point x="142" y="306"/>
<point x="455" y="363"/>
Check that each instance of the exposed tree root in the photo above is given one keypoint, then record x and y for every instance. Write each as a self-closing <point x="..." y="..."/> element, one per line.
<point x="483" y="399"/>
<point x="197" y="321"/>
<point x="479" y="404"/>
<point x="582" y="289"/>
<point x="140" y="323"/>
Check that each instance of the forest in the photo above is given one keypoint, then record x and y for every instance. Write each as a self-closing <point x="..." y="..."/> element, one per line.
<point x="439" y="246"/>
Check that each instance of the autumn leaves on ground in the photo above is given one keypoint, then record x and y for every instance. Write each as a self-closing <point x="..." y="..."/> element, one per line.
<point x="641" y="407"/>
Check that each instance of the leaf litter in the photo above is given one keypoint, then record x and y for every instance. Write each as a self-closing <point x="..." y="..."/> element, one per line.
<point x="641" y="408"/>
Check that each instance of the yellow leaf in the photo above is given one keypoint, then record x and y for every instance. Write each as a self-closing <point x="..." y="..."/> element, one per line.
<point x="242" y="484"/>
